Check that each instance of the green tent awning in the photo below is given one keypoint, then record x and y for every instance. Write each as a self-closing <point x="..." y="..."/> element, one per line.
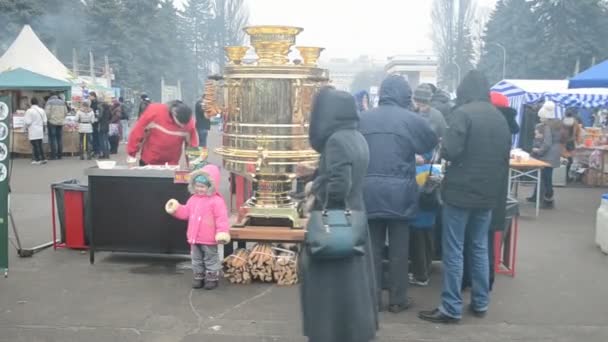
<point x="24" y="79"/>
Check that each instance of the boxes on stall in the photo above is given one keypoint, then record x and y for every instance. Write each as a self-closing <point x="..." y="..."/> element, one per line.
<point x="594" y="177"/>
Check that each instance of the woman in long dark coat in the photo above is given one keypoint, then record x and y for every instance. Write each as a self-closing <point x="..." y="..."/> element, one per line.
<point x="338" y="296"/>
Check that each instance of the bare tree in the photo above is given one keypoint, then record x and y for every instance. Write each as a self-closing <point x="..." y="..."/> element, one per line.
<point x="453" y="42"/>
<point x="231" y="16"/>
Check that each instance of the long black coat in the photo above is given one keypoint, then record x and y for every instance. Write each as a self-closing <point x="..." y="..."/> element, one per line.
<point x="394" y="135"/>
<point x="338" y="296"/>
<point x="477" y="146"/>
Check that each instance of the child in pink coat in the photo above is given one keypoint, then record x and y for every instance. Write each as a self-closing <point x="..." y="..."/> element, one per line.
<point x="208" y="225"/>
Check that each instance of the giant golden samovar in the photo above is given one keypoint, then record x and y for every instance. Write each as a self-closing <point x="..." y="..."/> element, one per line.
<point x="267" y="105"/>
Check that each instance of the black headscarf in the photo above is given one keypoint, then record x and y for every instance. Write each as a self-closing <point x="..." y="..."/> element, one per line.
<point x="474" y="87"/>
<point x="395" y="91"/>
<point x="332" y="110"/>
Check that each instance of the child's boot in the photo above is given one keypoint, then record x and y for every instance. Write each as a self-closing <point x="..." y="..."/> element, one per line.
<point x="198" y="281"/>
<point x="212" y="280"/>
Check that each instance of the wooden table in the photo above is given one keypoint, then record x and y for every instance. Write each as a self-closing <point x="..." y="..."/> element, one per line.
<point x="520" y="170"/>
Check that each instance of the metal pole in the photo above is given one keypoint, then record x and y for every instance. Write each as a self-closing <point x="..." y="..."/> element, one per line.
<point x="504" y="59"/>
<point x="459" y="72"/>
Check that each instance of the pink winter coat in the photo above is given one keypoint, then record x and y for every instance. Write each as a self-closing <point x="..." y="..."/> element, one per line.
<point x="206" y="214"/>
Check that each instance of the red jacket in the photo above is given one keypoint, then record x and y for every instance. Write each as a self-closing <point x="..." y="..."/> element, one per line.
<point x="159" y="137"/>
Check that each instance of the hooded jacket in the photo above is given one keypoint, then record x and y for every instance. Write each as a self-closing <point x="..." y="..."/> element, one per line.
<point x="338" y="296"/>
<point x="56" y="111"/>
<point x="206" y="214"/>
<point x="159" y="137"/>
<point x="344" y="154"/>
<point x="394" y="135"/>
<point x="477" y="145"/>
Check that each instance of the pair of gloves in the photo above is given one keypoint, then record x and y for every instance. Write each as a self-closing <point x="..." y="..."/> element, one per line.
<point x="173" y="205"/>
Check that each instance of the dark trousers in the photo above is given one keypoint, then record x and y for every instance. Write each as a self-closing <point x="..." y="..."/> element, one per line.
<point x="568" y="167"/>
<point x="114" y="140"/>
<point x="421" y="252"/>
<point x="547" y="182"/>
<point x="104" y="144"/>
<point x="95" y="139"/>
<point x="56" y="140"/>
<point x="202" y="137"/>
<point x="86" y="145"/>
<point x="546" y="185"/>
<point x="37" y="149"/>
<point x="398" y="255"/>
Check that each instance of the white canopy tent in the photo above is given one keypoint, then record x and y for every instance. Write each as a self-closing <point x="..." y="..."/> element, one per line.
<point x="28" y="52"/>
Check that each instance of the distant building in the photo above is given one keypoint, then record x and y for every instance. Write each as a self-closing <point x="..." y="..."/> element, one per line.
<point x="416" y="68"/>
<point x="342" y="71"/>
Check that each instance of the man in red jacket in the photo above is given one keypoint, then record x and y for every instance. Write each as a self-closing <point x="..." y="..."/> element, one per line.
<point x="161" y="132"/>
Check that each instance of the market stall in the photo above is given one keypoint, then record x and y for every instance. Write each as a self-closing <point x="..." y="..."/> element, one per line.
<point x="24" y="75"/>
<point x="21" y="86"/>
<point x="524" y="93"/>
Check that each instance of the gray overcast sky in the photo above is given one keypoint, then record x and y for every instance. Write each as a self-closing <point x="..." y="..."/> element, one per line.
<point x="349" y="28"/>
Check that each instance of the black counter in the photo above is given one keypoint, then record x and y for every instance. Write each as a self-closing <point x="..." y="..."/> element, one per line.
<point x="127" y="212"/>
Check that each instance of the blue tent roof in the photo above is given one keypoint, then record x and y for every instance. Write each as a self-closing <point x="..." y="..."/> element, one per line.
<point x="24" y="79"/>
<point x="594" y="77"/>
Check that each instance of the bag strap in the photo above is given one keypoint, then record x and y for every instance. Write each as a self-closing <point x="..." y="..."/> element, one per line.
<point x="433" y="159"/>
<point x="40" y="114"/>
<point x="326" y="201"/>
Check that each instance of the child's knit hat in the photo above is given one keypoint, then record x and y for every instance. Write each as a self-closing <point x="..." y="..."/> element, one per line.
<point x="202" y="179"/>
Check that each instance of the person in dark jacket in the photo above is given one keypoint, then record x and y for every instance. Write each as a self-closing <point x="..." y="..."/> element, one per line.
<point x="441" y="101"/>
<point x="103" y="120"/>
<point x="477" y="146"/>
<point x="203" y="124"/>
<point x="143" y="104"/>
<point x="362" y="100"/>
<point x="114" y="137"/>
<point x="549" y="151"/>
<point x="95" y="107"/>
<point x="394" y="135"/>
<point x="499" y="220"/>
<point x="338" y="296"/>
<point x="422" y="101"/>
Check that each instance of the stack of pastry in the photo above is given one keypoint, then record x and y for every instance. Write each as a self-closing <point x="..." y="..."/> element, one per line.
<point x="209" y="104"/>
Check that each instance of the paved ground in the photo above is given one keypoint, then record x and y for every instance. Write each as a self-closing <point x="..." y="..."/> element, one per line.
<point x="559" y="293"/>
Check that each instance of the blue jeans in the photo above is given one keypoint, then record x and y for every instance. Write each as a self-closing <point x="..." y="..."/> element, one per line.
<point x="104" y="143"/>
<point x="202" y="137"/>
<point x="56" y="140"/>
<point x="456" y="222"/>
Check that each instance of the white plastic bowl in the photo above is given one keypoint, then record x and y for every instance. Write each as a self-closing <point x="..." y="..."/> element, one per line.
<point x="106" y="164"/>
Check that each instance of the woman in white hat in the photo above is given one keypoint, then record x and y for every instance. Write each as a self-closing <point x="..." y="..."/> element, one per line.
<point x="549" y="151"/>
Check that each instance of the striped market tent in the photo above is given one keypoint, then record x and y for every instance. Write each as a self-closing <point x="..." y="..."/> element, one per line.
<point x="522" y="92"/>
